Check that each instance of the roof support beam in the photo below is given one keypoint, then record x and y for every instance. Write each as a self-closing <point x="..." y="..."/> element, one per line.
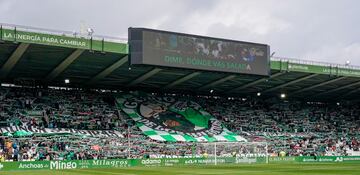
<point x="144" y="77"/>
<point x="289" y="83"/>
<point x="216" y="82"/>
<point x="256" y="82"/>
<point x="318" y="85"/>
<point x="339" y="88"/>
<point x="349" y="93"/>
<point x="108" y="70"/>
<point x="63" y="65"/>
<point x="182" y="79"/>
<point x="13" y="59"/>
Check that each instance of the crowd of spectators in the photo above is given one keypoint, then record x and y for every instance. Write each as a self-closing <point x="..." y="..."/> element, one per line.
<point x="296" y="128"/>
<point x="51" y="108"/>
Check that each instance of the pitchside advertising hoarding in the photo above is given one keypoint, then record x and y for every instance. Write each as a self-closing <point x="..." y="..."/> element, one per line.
<point x="170" y="49"/>
<point x="122" y="163"/>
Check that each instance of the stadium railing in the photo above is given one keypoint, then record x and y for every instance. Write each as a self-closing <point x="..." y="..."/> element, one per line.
<point x="309" y="62"/>
<point x="74" y="34"/>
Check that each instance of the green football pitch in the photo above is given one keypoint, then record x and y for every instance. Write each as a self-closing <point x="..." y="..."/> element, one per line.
<point x="248" y="169"/>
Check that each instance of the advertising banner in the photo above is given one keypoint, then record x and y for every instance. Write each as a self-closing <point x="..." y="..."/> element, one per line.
<point x="328" y="159"/>
<point x="315" y="69"/>
<point x="62" y="41"/>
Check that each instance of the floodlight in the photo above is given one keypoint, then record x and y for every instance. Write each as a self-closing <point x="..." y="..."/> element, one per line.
<point x="67" y="81"/>
<point x="90" y="31"/>
<point x="282" y="95"/>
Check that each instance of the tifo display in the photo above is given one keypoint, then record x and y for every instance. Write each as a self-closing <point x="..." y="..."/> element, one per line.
<point x="171" y="119"/>
<point x="104" y="125"/>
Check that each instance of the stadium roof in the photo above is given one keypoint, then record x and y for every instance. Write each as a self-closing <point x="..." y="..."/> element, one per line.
<point x="49" y="57"/>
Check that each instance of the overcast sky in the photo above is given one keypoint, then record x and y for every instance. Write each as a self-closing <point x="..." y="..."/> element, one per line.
<point x="319" y="30"/>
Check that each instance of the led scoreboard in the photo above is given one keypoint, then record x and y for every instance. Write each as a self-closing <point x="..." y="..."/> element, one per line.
<point x="170" y="49"/>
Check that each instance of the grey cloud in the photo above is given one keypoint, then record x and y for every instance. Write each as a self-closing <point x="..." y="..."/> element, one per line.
<point x="322" y="30"/>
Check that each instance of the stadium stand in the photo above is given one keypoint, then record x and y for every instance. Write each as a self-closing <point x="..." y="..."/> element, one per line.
<point x="83" y="101"/>
<point x="39" y="108"/>
<point x="301" y="128"/>
<point x="298" y="128"/>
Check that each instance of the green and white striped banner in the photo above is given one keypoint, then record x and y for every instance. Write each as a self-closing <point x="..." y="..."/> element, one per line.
<point x="170" y="119"/>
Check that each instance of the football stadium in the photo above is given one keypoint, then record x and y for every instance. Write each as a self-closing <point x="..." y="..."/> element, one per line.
<point x="162" y="102"/>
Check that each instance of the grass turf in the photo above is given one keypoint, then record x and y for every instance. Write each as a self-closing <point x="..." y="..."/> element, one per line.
<point x="248" y="169"/>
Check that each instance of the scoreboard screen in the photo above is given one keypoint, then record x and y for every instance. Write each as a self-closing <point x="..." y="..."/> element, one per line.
<point x="170" y="49"/>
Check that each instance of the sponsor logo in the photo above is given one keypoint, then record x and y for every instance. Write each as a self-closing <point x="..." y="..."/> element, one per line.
<point x="191" y="161"/>
<point x="326" y="160"/>
<point x="245" y="160"/>
<point x="211" y="161"/>
<point x="59" y="165"/>
<point x="171" y="162"/>
<point x="31" y="166"/>
<point x="351" y="158"/>
<point x="84" y="164"/>
<point x="323" y="159"/>
<point x="282" y="158"/>
<point x="309" y="160"/>
<point x="112" y="163"/>
<point x="45" y="39"/>
<point x="298" y="67"/>
<point x="151" y="161"/>
<point x="339" y="159"/>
